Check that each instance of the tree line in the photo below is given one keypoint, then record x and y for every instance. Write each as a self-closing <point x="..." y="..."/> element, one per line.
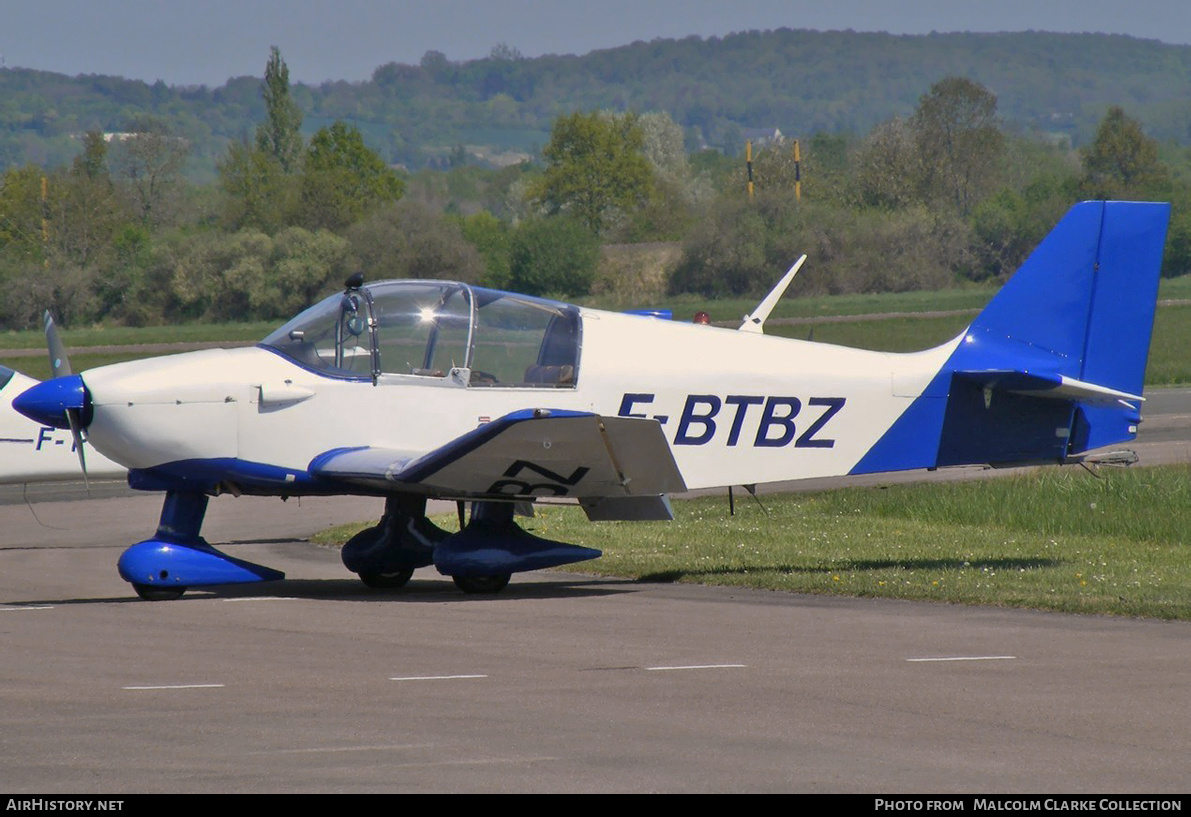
<point x="944" y="195"/>
<point x="714" y="88"/>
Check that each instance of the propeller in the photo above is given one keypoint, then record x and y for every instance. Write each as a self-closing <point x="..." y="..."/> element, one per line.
<point x="60" y="365"/>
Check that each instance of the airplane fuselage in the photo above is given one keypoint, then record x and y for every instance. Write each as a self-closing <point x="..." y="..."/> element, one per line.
<point x="735" y="407"/>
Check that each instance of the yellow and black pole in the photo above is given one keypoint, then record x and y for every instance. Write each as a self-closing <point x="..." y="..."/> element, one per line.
<point x="748" y="161"/>
<point x="45" y="219"/>
<point x="797" y="173"/>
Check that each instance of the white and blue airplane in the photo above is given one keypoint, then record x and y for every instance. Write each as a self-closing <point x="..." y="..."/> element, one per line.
<point x="410" y="390"/>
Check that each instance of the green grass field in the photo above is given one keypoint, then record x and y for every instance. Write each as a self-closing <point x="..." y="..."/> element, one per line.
<point x="1073" y="542"/>
<point x="733" y="309"/>
<point x="128" y="335"/>
<point x="1169" y="362"/>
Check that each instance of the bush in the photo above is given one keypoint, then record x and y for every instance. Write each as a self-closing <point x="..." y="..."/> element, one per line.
<point x="744" y="247"/>
<point x="555" y="255"/>
<point x="726" y="256"/>
<point x="27" y="291"/>
<point x="1008" y="226"/>
<point x="1177" y="258"/>
<point x="409" y="240"/>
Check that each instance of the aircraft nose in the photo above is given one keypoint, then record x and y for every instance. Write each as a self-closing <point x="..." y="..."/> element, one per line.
<point x="48" y="402"/>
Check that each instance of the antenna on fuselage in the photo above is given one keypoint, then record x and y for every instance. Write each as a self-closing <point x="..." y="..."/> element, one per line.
<point x="755" y="320"/>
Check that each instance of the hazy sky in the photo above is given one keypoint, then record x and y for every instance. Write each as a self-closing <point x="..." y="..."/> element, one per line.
<point x="191" y="43"/>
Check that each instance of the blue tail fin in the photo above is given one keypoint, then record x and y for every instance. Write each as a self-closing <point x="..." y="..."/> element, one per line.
<point x="1054" y="364"/>
<point x="1083" y="302"/>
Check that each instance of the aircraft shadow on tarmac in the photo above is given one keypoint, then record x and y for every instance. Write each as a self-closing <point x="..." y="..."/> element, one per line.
<point x="560" y="585"/>
<point x="436" y="590"/>
<point x="857" y="565"/>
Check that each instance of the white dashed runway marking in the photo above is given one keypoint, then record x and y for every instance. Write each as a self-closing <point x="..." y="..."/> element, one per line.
<point x="968" y="658"/>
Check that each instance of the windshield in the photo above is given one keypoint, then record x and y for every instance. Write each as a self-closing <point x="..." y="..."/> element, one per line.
<point x="5" y="375"/>
<point x="429" y="328"/>
<point x="333" y="336"/>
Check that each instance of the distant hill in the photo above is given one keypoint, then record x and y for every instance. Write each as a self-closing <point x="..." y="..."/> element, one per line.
<point x="799" y="81"/>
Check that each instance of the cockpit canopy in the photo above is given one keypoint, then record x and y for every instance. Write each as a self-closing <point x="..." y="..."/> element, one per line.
<point x="429" y="328"/>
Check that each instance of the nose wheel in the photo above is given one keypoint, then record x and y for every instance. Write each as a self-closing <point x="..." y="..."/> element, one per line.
<point x="175" y="558"/>
<point x="150" y="592"/>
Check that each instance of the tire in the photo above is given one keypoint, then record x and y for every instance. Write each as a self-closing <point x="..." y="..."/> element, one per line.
<point x="386" y="581"/>
<point x="476" y="585"/>
<point x="153" y="592"/>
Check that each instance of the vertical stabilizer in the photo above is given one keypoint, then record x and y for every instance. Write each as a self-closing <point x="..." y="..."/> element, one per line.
<point x="1082" y="305"/>
<point x="1048" y="368"/>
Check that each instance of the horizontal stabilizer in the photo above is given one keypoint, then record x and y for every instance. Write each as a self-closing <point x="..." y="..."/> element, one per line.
<point x="528" y="454"/>
<point x="1048" y="385"/>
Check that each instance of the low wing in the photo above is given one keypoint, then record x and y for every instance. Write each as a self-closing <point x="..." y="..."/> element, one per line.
<point x="620" y="464"/>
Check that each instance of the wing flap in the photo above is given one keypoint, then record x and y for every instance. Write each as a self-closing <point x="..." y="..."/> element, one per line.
<point x="524" y="455"/>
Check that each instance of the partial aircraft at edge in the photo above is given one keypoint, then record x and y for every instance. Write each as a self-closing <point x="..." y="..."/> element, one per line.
<point x="410" y="390"/>
<point x="32" y="452"/>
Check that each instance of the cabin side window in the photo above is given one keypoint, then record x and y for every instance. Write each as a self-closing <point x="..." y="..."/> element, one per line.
<point x="423" y="329"/>
<point x="521" y="342"/>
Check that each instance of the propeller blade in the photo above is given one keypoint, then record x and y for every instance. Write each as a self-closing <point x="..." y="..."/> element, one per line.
<point x="75" y="419"/>
<point x="59" y="362"/>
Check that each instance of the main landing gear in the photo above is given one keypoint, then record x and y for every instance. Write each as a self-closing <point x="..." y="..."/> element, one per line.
<point x="386" y="555"/>
<point x="480" y="558"/>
